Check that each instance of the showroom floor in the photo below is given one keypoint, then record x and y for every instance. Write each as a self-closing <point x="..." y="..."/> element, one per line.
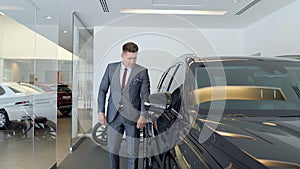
<point x="63" y="138"/>
<point x="17" y="150"/>
<point x="90" y="156"/>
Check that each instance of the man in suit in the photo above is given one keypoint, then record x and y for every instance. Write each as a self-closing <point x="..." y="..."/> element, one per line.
<point x="129" y="86"/>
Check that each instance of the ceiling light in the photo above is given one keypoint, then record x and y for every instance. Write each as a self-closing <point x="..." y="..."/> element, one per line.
<point x="65" y="32"/>
<point x="235" y="1"/>
<point x="48" y="17"/>
<point x="167" y="11"/>
<point x="13" y="8"/>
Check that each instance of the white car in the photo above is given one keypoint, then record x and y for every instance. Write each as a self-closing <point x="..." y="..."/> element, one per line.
<point x="19" y="101"/>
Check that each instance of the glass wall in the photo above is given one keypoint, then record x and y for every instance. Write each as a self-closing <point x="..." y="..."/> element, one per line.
<point x="28" y="60"/>
<point x="82" y="81"/>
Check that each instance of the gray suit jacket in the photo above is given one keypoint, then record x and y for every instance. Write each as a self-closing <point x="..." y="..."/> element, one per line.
<point x="136" y="91"/>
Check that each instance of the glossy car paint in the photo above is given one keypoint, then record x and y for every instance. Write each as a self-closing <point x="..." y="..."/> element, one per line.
<point x="246" y="136"/>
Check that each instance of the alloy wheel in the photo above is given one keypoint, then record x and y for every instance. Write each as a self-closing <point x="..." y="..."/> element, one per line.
<point x="3" y="119"/>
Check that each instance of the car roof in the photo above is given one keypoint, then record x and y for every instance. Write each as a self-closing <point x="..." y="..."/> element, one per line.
<point x="248" y="58"/>
<point x="188" y="58"/>
<point x="49" y="84"/>
<point x="24" y="88"/>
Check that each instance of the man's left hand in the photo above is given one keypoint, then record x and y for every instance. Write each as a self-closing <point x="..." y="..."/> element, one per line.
<point x="141" y="123"/>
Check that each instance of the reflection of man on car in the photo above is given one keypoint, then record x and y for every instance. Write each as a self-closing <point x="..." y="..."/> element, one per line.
<point x="244" y="111"/>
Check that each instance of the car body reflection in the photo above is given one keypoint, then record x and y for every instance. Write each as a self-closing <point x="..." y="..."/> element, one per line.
<point x="242" y="112"/>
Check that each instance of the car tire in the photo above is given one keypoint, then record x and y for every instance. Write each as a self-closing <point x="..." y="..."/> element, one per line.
<point x="65" y="112"/>
<point x="45" y="130"/>
<point x="99" y="134"/>
<point x="169" y="162"/>
<point x="3" y="119"/>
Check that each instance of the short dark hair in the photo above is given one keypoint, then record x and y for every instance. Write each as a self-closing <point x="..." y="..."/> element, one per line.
<point x="130" y="47"/>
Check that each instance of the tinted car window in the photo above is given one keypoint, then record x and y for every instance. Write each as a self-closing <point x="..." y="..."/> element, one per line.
<point x="18" y="88"/>
<point x="14" y="90"/>
<point x="2" y="91"/>
<point x="63" y="89"/>
<point x="282" y="75"/>
<point x="178" y="78"/>
<point x="167" y="78"/>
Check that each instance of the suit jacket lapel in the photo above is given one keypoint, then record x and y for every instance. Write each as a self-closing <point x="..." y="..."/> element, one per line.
<point x="132" y="74"/>
<point x="116" y="78"/>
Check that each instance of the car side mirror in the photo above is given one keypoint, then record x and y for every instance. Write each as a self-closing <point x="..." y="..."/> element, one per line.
<point x="157" y="103"/>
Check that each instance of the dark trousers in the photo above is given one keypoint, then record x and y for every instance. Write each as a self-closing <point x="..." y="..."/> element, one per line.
<point x="115" y="131"/>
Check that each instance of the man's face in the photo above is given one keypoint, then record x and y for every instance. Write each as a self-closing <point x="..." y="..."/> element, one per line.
<point x="129" y="59"/>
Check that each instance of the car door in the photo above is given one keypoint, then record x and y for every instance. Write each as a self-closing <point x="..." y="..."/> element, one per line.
<point x="188" y="151"/>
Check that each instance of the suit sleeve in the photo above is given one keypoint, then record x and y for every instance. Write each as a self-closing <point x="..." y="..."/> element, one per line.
<point x="145" y="91"/>
<point x="103" y="89"/>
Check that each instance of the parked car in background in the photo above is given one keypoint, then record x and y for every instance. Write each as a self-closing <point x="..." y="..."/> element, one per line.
<point x="64" y="95"/>
<point x="20" y="101"/>
<point x="241" y="112"/>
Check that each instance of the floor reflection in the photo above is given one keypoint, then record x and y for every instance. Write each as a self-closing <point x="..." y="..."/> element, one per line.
<point x="27" y="144"/>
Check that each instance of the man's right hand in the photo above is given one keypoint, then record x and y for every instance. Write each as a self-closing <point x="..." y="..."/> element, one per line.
<point x="102" y="118"/>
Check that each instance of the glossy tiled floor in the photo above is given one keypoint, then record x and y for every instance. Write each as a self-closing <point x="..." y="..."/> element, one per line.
<point x="19" y="151"/>
<point x="63" y="138"/>
<point x="90" y="156"/>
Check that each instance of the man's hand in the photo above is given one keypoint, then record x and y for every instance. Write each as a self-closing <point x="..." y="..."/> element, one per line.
<point x="155" y="125"/>
<point x="141" y="123"/>
<point x="102" y="118"/>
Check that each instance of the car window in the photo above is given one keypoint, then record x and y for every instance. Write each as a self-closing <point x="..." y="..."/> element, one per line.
<point x="18" y="88"/>
<point x="2" y="91"/>
<point x="63" y="89"/>
<point x="178" y="78"/>
<point x="14" y="90"/>
<point x="284" y="76"/>
<point x="166" y="79"/>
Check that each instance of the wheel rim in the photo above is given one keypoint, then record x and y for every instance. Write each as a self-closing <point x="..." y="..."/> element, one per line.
<point x="2" y="120"/>
<point x="170" y="162"/>
<point x="99" y="134"/>
<point x="102" y="134"/>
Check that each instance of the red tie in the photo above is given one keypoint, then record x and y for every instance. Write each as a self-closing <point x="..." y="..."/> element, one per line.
<point x="124" y="79"/>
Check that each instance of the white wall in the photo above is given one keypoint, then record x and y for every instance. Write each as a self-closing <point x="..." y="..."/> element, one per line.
<point x="227" y="42"/>
<point x="20" y="70"/>
<point x="276" y="34"/>
<point x="1" y="36"/>
<point x="159" y="47"/>
<point x="23" y="51"/>
<point x="19" y="42"/>
<point x="1" y="47"/>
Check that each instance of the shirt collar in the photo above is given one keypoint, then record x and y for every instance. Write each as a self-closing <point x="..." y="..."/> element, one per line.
<point x="123" y="67"/>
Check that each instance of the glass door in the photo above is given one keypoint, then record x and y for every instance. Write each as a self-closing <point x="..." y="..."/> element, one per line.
<point x="28" y="59"/>
<point x="82" y="81"/>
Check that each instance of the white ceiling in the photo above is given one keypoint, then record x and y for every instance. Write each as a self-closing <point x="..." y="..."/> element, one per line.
<point x="91" y="13"/>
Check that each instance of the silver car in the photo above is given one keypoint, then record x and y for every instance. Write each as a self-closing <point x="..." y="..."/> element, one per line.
<point x="20" y="101"/>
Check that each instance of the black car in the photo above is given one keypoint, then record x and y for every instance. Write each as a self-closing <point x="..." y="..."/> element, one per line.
<point x="235" y="112"/>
